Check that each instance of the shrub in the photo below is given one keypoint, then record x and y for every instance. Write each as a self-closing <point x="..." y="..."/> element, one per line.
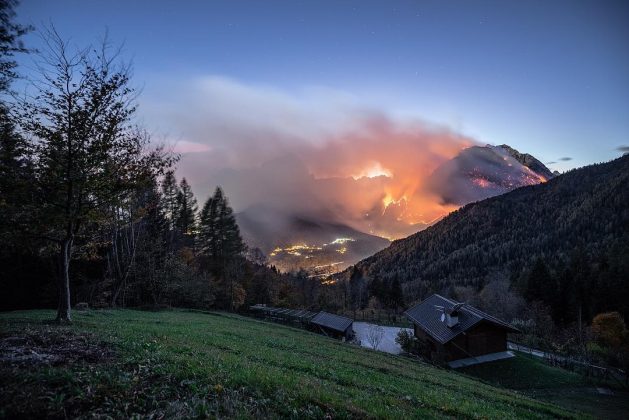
<point x="406" y="340"/>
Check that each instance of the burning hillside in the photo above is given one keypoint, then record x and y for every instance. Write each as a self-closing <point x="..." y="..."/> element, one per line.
<point x="339" y="164"/>
<point x="482" y="172"/>
<point x="317" y="239"/>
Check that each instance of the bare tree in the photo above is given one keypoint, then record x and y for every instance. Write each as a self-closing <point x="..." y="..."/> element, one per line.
<point x="375" y="334"/>
<point x="124" y="230"/>
<point x="88" y="154"/>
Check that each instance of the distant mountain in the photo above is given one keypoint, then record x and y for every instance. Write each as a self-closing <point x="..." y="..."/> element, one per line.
<point x="313" y="238"/>
<point x="584" y="212"/>
<point x="480" y="172"/>
<point x="529" y="161"/>
<point x="303" y="241"/>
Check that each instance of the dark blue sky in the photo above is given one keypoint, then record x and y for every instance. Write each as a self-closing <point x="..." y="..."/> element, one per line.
<point x="548" y="77"/>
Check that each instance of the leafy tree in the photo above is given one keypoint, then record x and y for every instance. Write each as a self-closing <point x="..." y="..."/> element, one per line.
<point x="610" y="330"/>
<point x="406" y="340"/>
<point x="89" y="156"/>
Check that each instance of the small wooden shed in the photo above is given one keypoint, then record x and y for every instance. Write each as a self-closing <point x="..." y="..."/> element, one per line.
<point x="456" y="330"/>
<point x="333" y="325"/>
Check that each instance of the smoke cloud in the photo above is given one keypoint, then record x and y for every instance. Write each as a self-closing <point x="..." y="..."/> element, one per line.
<point x="316" y="152"/>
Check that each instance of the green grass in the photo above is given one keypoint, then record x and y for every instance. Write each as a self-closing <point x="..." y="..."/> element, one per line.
<point x="533" y="377"/>
<point x="525" y="372"/>
<point x="190" y="364"/>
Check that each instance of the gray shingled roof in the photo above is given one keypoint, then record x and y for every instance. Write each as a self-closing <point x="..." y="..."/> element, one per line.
<point x="295" y="314"/>
<point x="334" y="322"/>
<point x="428" y="318"/>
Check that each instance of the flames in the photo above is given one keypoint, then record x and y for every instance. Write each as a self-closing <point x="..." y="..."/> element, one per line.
<point x="373" y="175"/>
<point x="481" y="182"/>
<point x="373" y="170"/>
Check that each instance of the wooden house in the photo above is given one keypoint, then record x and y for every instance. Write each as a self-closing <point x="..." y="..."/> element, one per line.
<point x="456" y="330"/>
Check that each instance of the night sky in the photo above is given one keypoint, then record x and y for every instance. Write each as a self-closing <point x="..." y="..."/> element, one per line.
<point x="548" y="77"/>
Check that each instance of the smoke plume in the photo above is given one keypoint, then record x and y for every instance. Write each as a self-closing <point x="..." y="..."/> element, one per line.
<point x="314" y="152"/>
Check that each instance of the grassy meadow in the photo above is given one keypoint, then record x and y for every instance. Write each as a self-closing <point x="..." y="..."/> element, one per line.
<point x="531" y="376"/>
<point x="122" y="363"/>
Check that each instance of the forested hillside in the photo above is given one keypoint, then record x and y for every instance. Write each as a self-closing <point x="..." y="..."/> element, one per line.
<point x="573" y="229"/>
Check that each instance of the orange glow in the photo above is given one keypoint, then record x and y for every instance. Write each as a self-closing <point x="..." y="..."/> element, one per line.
<point x="372" y="171"/>
<point x="390" y="166"/>
<point x="483" y="183"/>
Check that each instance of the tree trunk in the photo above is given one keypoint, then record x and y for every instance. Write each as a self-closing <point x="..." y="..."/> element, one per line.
<point x="63" y="309"/>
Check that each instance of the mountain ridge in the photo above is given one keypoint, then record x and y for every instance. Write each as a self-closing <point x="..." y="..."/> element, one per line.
<point x="584" y="210"/>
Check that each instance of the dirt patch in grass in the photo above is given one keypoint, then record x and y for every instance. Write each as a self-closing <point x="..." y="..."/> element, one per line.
<point x="42" y="370"/>
<point x="53" y="347"/>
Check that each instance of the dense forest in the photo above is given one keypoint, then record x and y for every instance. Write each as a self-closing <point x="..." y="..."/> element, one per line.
<point x="563" y="243"/>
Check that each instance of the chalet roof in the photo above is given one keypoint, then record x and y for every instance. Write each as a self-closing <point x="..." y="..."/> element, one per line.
<point x="334" y="322"/>
<point x="428" y="318"/>
<point x="295" y="314"/>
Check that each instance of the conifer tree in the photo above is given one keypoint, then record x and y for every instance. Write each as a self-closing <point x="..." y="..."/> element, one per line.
<point x="170" y="193"/>
<point x="187" y="209"/>
<point x="14" y="159"/>
<point x="221" y="247"/>
<point x="219" y="236"/>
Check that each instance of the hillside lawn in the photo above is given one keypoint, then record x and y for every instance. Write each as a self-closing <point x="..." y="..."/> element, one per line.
<point x="170" y="364"/>
<point x="533" y="377"/>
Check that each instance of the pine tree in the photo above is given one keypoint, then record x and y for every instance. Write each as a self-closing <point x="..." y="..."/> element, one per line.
<point x="187" y="209"/>
<point x="14" y="162"/>
<point x="209" y="240"/>
<point x="233" y="246"/>
<point x="219" y="235"/>
<point x="170" y="192"/>
<point x="221" y="247"/>
<point x="10" y="43"/>
<point x="15" y="174"/>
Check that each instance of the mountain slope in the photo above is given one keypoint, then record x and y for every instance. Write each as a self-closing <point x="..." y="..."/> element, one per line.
<point x="481" y="172"/>
<point x="529" y="161"/>
<point x="313" y="238"/>
<point x="584" y="211"/>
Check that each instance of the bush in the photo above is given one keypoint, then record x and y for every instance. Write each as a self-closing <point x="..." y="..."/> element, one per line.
<point x="406" y="340"/>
